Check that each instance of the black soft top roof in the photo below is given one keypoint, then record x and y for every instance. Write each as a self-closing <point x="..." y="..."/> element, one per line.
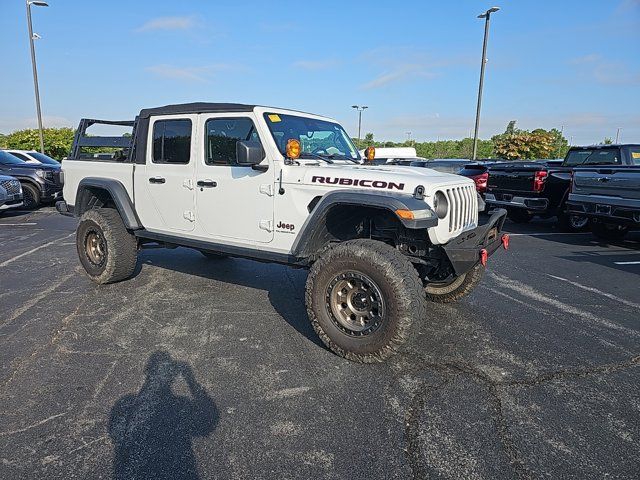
<point x="197" y="107"/>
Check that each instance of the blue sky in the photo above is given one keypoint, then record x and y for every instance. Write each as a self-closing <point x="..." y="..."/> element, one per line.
<point x="414" y="63"/>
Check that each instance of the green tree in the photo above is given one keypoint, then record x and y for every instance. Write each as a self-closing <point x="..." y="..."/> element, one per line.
<point x="57" y="141"/>
<point x="516" y="144"/>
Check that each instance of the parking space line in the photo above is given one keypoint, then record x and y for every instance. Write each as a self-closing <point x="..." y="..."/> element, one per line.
<point x="16" y="224"/>
<point x="627" y="263"/>
<point x="599" y="292"/>
<point x="33" y="250"/>
<point x="546" y="234"/>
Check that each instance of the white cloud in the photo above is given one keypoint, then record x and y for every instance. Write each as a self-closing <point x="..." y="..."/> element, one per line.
<point x="605" y="71"/>
<point x="316" y="64"/>
<point x="169" y="23"/>
<point x="190" y="74"/>
<point x="400" y="73"/>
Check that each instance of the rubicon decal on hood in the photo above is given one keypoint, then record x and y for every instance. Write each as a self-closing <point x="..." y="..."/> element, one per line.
<point x="358" y="183"/>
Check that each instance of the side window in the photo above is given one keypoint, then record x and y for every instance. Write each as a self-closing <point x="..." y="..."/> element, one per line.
<point x="172" y="141"/>
<point x="20" y="156"/>
<point x="221" y="136"/>
<point x="635" y="155"/>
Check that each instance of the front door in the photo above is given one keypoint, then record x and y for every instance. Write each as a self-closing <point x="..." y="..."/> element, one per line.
<point x="232" y="202"/>
<point x="165" y="192"/>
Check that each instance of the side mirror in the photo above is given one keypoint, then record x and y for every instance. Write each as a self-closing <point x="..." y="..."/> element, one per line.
<point x="249" y="153"/>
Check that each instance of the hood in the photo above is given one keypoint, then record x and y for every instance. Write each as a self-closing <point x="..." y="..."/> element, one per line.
<point x="29" y="167"/>
<point x="391" y="178"/>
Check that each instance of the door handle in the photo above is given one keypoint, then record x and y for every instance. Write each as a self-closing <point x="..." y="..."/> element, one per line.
<point x="157" y="180"/>
<point x="206" y="184"/>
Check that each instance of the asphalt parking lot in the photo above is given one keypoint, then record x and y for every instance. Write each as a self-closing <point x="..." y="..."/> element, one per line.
<point x="208" y="369"/>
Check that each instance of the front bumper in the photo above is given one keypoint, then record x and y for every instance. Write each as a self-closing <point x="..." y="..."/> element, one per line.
<point x="534" y="204"/>
<point x="474" y="246"/>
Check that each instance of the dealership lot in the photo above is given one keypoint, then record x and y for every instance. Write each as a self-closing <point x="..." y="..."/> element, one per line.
<point x="535" y="374"/>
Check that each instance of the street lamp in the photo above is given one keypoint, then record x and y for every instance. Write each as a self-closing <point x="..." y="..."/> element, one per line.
<point x="487" y="16"/>
<point x="360" y="109"/>
<point x="32" y="37"/>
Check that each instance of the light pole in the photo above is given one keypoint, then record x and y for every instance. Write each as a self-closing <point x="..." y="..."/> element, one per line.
<point x="33" y="37"/>
<point x="409" y="137"/>
<point x="360" y="109"/>
<point x="487" y="16"/>
<point x="618" y="135"/>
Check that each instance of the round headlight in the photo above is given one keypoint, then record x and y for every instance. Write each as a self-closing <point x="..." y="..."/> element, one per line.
<point x="440" y="204"/>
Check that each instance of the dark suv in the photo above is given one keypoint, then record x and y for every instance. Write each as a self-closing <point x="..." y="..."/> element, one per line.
<point x="40" y="183"/>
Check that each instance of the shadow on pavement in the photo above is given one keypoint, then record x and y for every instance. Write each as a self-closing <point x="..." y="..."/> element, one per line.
<point x="283" y="285"/>
<point x="152" y="431"/>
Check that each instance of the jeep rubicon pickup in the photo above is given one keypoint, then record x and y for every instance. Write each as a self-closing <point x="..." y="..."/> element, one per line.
<point x="282" y="186"/>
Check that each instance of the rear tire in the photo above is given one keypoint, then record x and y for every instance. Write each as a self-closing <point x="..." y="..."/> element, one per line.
<point x="573" y="223"/>
<point x="362" y="296"/>
<point x="458" y="288"/>
<point x="107" y="251"/>
<point x="517" y="215"/>
<point x="30" y="197"/>
<point x="608" y="231"/>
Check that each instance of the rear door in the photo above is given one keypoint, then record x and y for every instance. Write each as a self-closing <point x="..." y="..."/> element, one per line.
<point x="164" y="186"/>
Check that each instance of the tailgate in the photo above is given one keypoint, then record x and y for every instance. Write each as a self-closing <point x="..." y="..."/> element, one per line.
<point x="623" y="182"/>
<point x="513" y="178"/>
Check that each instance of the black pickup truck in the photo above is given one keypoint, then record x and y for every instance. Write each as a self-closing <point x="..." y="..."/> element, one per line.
<point x="609" y="197"/>
<point x="528" y="189"/>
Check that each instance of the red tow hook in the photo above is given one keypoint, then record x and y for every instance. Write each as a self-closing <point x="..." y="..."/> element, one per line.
<point x="484" y="256"/>
<point x="505" y="241"/>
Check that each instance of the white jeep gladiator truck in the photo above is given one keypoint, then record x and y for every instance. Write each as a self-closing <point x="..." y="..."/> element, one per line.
<point x="281" y="186"/>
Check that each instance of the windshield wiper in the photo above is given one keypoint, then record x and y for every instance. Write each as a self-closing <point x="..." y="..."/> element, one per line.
<point x="335" y="156"/>
<point x="315" y="155"/>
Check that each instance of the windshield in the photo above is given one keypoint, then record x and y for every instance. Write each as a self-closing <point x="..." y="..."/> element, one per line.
<point x="44" y="158"/>
<point x="8" y="159"/>
<point x="597" y="156"/>
<point x="317" y="137"/>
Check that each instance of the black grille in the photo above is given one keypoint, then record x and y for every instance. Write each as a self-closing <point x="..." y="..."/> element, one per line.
<point x="11" y="186"/>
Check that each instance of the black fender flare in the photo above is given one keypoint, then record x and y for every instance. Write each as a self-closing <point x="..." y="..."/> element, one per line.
<point x="314" y="225"/>
<point x="118" y="194"/>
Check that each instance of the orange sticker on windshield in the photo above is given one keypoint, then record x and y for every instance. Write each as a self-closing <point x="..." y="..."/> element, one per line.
<point x="635" y="154"/>
<point x="274" y="118"/>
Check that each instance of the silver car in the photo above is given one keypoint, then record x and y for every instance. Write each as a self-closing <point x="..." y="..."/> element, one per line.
<point x="10" y="193"/>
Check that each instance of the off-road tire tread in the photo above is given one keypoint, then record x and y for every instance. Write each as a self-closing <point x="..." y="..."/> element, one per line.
<point x="122" y="246"/>
<point x="403" y="279"/>
<point x="470" y="282"/>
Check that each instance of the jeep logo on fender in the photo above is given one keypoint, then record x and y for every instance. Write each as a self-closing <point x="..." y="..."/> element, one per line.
<point x="358" y="183"/>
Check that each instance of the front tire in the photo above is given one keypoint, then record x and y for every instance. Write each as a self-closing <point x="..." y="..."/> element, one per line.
<point x="362" y="296"/>
<point x="457" y="288"/>
<point x="30" y="197"/>
<point x="609" y="231"/>
<point x="107" y="251"/>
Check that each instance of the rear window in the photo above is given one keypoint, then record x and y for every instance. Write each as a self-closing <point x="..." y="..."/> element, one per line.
<point x="172" y="141"/>
<point x="634" y="152"/>
<point x="596" y="156"/>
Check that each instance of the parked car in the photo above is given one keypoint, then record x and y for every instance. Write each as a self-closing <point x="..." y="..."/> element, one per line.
<point x="40" y="183"/>
<point x="528" y="189"/>
<point x="286" y="187"/>
<point x="609" y="197"/>
<point x="31" y="156"/>
<point x="10" y="193"/>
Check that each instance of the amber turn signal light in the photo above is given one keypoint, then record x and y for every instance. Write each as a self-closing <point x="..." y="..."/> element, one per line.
<point x="293" y="149"/>
<point x="405" y="214"/>
<point x="370" y="154"/>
